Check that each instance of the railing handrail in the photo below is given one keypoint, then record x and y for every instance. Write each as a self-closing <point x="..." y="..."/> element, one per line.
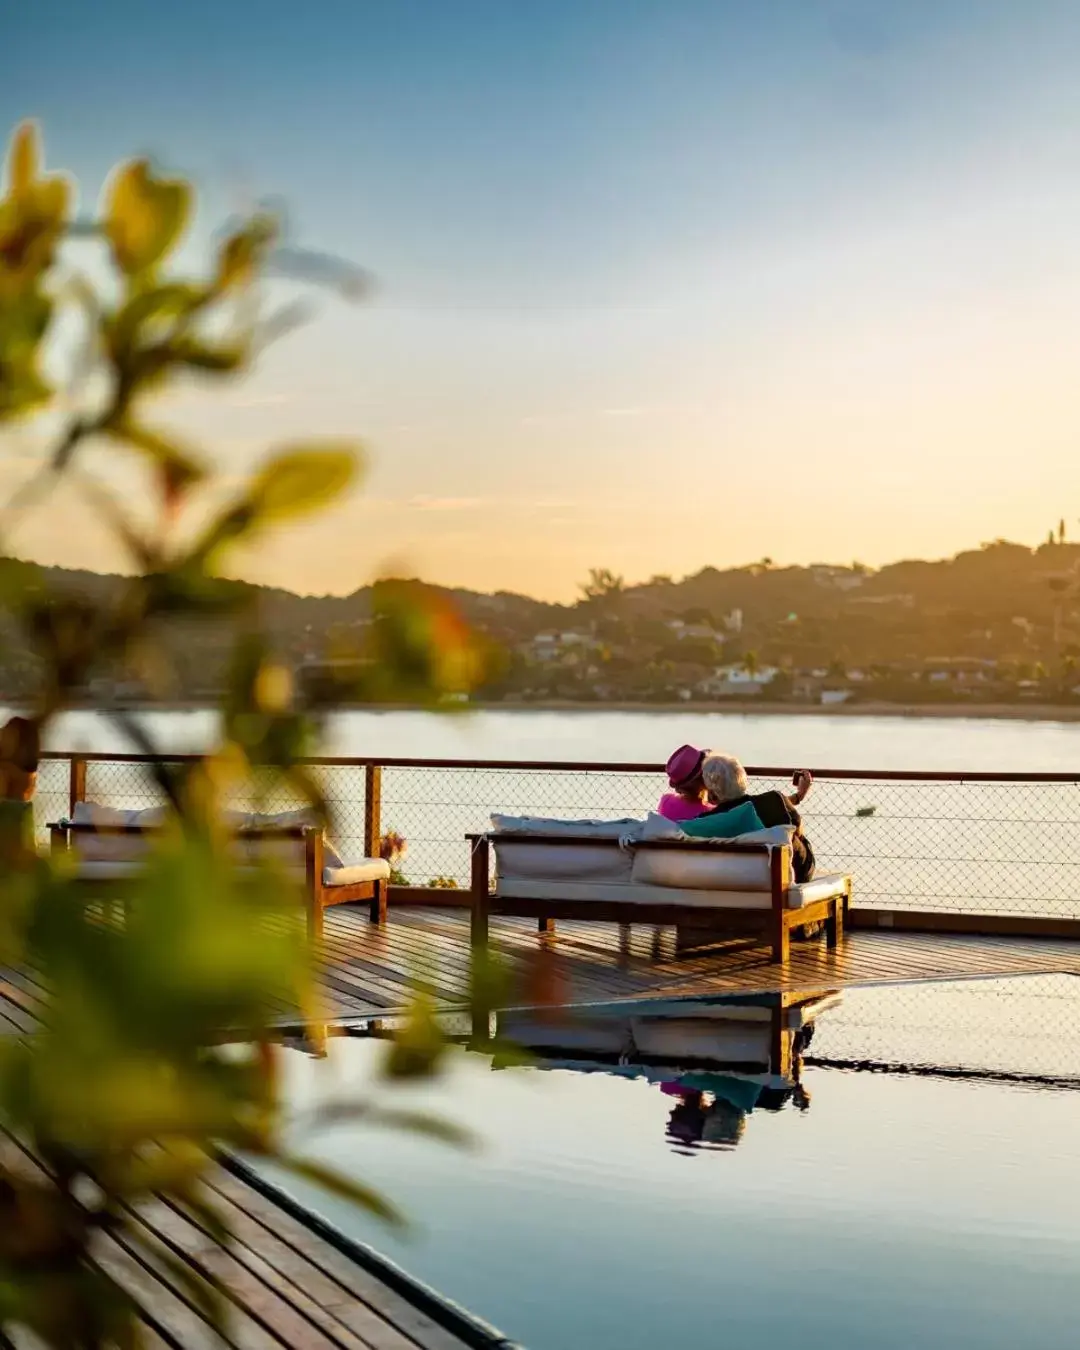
<point x="586" y="766"/>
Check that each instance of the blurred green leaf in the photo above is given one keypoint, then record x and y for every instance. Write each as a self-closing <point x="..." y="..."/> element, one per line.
<point x="417" y="1049"/>
<point x="244" y="252"/>
<point x="422" y="1123"/>
<point x="24" y="155"/>
<point x="302" y="478"/>
<point x="345" y="1188"/>
<point x="144" y="216"/>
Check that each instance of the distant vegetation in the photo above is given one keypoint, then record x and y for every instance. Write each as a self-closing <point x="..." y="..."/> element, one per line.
<point x="994" y="623"/>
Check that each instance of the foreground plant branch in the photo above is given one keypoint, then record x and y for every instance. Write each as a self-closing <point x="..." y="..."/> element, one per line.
<point x="126" y="1085"/>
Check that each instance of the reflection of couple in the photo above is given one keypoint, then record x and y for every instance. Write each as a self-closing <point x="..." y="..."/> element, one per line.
<point x="712" y="1108"/>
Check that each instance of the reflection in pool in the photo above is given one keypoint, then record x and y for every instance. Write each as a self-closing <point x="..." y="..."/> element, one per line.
<point x="610" y="1205"/>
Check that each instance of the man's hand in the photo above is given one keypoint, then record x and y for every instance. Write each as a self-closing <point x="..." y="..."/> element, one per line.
<point x="802" y="781"/>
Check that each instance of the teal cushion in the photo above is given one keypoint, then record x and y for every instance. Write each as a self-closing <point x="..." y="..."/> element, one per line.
<point x="723" y="824"/>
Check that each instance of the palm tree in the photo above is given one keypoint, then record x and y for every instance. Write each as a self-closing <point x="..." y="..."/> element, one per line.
<point x="751" y="664"/>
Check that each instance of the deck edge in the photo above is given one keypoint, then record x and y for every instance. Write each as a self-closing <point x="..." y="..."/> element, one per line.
<point x="473" y="1331"/>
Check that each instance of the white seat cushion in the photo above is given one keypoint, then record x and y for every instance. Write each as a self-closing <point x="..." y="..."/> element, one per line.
<point x="822" y="887"/>
<point x="351" y="874"/>
<point x="632" y="894"/>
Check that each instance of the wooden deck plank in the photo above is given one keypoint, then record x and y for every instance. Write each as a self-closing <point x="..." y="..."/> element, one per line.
<point x="283" y="1283"/>
<point x="585" y="961"/>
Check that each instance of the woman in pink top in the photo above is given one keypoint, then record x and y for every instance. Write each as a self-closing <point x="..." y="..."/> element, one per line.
<point x="686" y="800"/>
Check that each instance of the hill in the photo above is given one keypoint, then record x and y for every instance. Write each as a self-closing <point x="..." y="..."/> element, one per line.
<point x="996" y="619"/>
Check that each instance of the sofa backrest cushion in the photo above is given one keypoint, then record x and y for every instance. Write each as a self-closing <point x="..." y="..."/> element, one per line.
<point x="701" y="869"/>
<point x="112" y="847"/>
<point x="551" y="860"/>
<point x="561" y="860"/>
<point x="598" y="829"/>
<point x="285" y="852"/>
<point x="130" y="847"/>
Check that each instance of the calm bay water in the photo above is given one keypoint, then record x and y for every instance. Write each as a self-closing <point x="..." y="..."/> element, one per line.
<point x="776" y="739"/>
<point x="894" y="1212"/>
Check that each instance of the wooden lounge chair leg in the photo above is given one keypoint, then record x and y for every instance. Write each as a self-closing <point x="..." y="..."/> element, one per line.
<point x="779" y="918"/>
<point x="313" y="870"/>
<point x="480" y="892"/>
<point x="379" y="898"/>
<point x="545" y="925"/>
<point x="834" y="924"/>
<point x="481" y="980"/>
<point x="314" y="919"/>
<point x="781" y="940"/>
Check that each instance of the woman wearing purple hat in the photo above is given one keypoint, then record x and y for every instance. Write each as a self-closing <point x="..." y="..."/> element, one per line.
<point x="686" y="800"/>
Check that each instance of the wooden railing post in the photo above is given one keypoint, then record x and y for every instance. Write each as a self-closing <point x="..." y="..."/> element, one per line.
<point x="372" y="809"/>
<point x="76" y="783"/>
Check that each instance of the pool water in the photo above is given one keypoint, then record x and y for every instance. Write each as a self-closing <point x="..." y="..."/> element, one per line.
<point x="863" y="1210"/>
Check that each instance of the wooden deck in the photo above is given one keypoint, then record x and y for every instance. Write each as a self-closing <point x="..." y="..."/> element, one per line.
<point x="284" y="1281"/>
<point x="370" y="970"/>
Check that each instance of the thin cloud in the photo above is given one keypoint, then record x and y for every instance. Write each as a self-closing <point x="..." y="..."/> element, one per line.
<point x="424" y="503"/>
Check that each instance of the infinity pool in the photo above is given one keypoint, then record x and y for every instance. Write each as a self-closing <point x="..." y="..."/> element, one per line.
<point x="677" y="1208"/>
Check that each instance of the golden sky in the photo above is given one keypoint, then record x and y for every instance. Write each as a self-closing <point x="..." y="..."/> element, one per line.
<point x="659" y="287"/>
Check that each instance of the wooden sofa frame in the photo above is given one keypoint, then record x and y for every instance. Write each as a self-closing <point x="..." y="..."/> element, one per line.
<point x="317" y="895"/>
<point x="694" y="925"/>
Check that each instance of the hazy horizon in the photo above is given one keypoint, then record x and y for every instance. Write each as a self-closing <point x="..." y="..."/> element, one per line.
<point x="656" y="282"/>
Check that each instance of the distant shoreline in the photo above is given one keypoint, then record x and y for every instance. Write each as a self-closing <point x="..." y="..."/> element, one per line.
<point x="1009" y="712"/>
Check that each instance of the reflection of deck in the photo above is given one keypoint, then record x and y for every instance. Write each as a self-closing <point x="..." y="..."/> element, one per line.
<point x="369" y="970"/>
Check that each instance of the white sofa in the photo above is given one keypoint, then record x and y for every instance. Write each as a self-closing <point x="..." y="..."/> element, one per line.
<point x="650" y="872"/>
<point x="107" y="845"/>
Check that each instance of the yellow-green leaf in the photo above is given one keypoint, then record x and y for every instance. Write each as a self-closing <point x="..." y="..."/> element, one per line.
<point x="301" y="478"/>
<point x="144" y="216"/>
<point x="243" y="251"/>
<point x="343" y="1187"/>
<point x="23" y="157"/>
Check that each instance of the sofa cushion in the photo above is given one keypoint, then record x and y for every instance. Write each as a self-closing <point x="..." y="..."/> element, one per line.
<point x="562" y="861"/>
<point x="723" y="824"/>
<point x="112" y="847"/>
<point x="701" y="869"/>
<point x="630" y="893"/>
<point x="599" y="829"/>
<point x="351" y="874"/>
<point x="288" y="852"/>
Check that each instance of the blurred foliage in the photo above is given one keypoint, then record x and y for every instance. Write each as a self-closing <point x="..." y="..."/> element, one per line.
<point x="128" y="1086"/>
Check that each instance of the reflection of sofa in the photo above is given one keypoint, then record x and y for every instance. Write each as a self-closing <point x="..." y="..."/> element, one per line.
<point x="647" y="872"/>
<point x="108" y="845"/>
<point x="658" y="1039"/>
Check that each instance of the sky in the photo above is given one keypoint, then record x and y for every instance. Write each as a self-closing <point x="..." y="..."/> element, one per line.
<point x="660" y="284"/>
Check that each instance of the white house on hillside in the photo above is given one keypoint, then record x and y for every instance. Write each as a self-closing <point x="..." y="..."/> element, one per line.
<point x="737" y="682"/>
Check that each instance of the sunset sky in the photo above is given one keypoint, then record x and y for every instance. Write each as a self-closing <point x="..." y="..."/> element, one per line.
<point x="661" y="283"/>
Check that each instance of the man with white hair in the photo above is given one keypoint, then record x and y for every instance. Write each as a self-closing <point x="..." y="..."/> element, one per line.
<point x="725" y="782"/>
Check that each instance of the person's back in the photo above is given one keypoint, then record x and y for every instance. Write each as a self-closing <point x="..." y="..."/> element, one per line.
<point x="686" y="800"/>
